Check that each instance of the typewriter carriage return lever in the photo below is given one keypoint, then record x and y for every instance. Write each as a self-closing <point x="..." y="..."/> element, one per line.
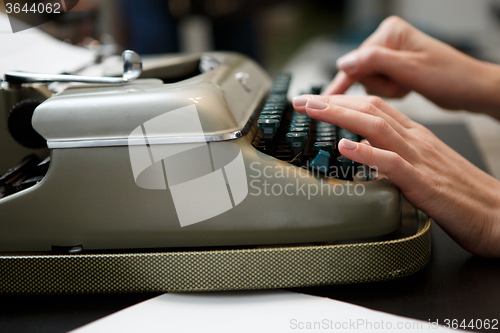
<point x="132" y="69"/>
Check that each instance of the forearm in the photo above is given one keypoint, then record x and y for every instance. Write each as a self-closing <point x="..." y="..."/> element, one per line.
<point x="484" y="97"/>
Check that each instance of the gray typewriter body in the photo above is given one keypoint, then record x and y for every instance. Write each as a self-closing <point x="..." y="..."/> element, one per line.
<point x="91" y="196"/>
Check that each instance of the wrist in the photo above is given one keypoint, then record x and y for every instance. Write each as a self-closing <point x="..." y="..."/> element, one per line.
<point x="488" y="223"/>
<point x="493" y="238"/>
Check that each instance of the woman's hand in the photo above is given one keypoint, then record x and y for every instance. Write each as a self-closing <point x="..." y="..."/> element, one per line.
<point x="461" y="198"/>
<point x="398" y="58"/>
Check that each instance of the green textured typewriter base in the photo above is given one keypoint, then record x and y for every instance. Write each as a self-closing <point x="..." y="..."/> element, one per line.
<point x="216" y="269"/>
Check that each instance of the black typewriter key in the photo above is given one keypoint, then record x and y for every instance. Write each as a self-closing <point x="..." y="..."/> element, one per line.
<point x="300" y="118"/>
<point x="275" y="103"/>
<point x="281" y="83"/>
<point x="278" y="98"/>
<point x="322" y="161"/>
<point x="343" y="133"/>
<point x="299" y="129"/>
<point x="324" y="124"/>
<point x="332" y="132"/>
<point x="326" y="133"/>
<point x="272" y="107"/>
<point x="325" y="138"/>
<point x="316" y="90"/>
<point x="270" y="116"/>
<point x="268" y="127"/>
<point x="299" y="122"/>
<point x="271" y="112"/>
<point x="326" y="146"/>
<point x="346" y="168"/>
<point x="297" y="141"/>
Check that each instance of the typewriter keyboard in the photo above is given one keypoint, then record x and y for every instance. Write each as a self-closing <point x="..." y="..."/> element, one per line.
<point x="300" y="140"/>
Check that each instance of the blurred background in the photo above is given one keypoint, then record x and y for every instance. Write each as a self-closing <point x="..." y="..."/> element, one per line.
<point x="270" y="31"/>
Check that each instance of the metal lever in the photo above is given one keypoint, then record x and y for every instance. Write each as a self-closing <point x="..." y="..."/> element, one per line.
<point x="132" y="68"/>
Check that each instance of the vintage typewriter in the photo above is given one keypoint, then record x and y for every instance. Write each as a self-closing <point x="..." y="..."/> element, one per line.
<point x="192" y="172"/>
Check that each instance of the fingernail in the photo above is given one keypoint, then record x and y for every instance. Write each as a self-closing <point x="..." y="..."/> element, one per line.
<point x="315" y="104"/>
<point x="347" y="63"/>
<point x="299" y="101"/>
<point x="348" y="144"/>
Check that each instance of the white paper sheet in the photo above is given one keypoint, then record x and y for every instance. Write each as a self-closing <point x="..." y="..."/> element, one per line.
<point x="35" y="51"/>
<point x="253" y="311"/>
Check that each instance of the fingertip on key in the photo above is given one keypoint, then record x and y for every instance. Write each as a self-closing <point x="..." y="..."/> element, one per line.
<point x="317" y="105"/>
<point x="299" y="101"/>
<point x="348" y="144"/>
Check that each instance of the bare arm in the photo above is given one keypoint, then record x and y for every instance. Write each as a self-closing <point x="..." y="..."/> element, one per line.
<point x="397" y="58"/>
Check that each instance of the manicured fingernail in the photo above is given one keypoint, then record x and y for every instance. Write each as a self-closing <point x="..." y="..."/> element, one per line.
<point x="315" y="104"/>
<point x="347" y="63"/>
<point x="299" y="101"/>
<point x="348" y="144"/>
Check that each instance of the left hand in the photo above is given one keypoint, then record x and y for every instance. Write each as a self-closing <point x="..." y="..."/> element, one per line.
<point x="398" y="58"/>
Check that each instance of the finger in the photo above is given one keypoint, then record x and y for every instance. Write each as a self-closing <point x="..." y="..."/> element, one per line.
<point x="383" y="86"/>
<point x="383" y="106"/>
<point x="299" y="103"/>
<point x="399" y="66"/>
<point x="397" y="169"/>
<point x="389" y="36"/>
<point x="361" y="105"/>
<point x="365" y="142"/>
<point x="340" y="83"/>
<point x="375" y="129"/>
<point x="392" y="33"/>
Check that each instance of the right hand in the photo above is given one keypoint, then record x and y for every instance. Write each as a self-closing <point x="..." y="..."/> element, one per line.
<point x="398" y="58"/>
<point x="434" y="178"/>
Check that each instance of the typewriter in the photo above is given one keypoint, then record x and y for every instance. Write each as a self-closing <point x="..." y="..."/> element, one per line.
<point x="187" y="156"/>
